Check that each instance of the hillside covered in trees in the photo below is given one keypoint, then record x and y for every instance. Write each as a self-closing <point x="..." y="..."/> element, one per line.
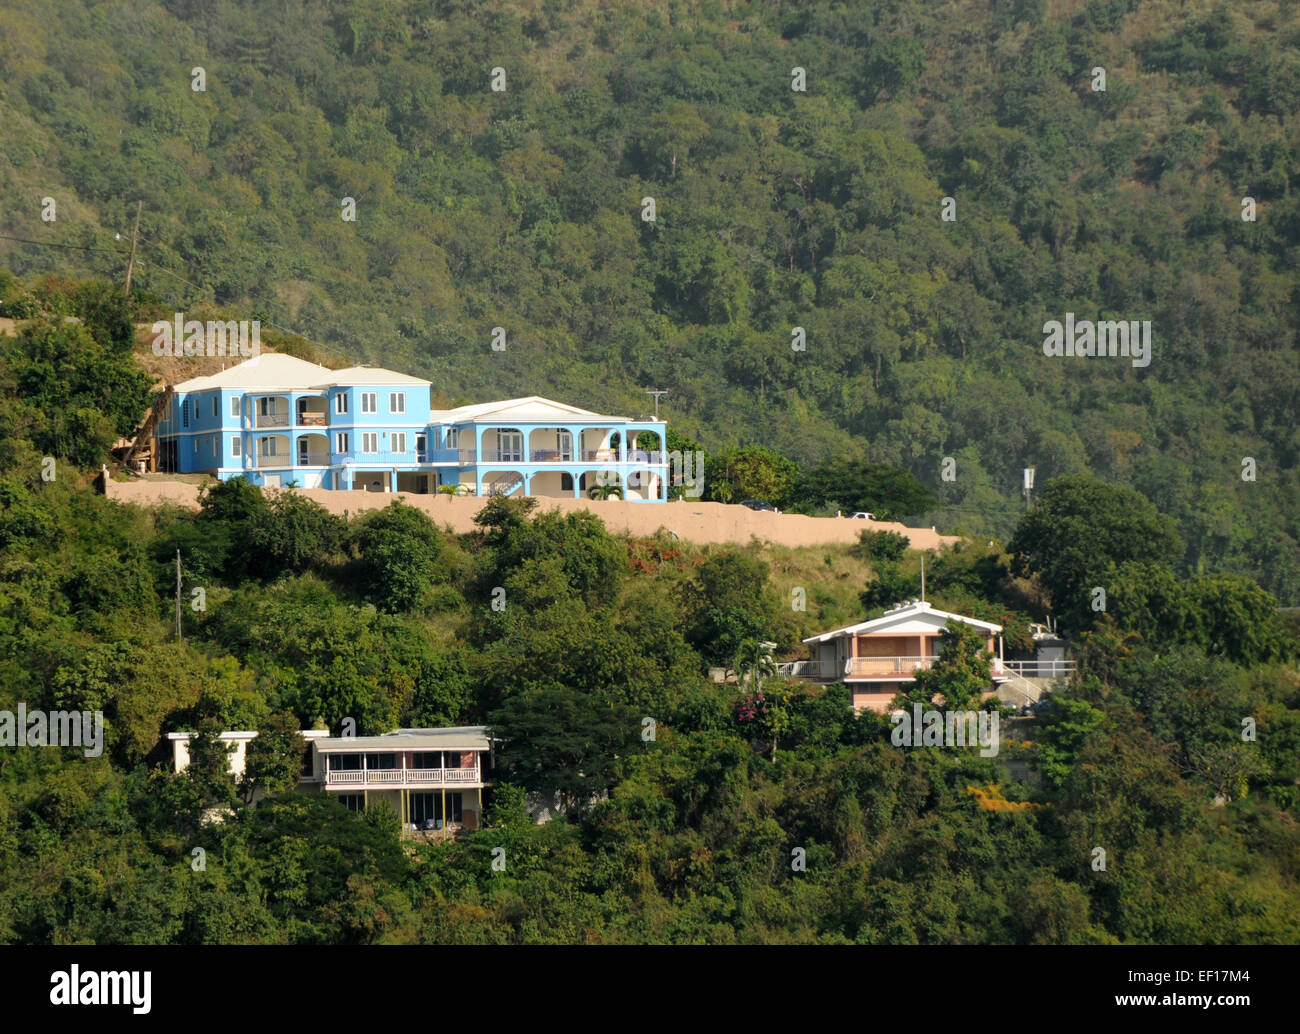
<point x="1175" y="750"/>
<point x="774" y="208"/>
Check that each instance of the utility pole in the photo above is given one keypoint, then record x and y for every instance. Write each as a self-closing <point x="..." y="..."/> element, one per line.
<point x="178" y="595"/>
<point x="656" y="392"/>
<point x="135" y="233"/>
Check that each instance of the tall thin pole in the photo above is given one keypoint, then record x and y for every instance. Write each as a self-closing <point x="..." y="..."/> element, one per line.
<point x="656" y="392"/>
<point x="135" y="233"/>
<point x="178" y="595"/>
<point x="922" y="577"/>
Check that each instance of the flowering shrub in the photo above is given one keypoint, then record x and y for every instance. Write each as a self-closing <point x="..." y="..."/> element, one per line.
<point x="751" y="707"/>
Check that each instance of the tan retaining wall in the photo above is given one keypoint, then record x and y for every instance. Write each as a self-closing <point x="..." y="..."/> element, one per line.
<point x="705" y="523"/>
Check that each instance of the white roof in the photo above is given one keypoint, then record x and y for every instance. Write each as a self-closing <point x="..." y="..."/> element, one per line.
<point x="464" y="737"/>
<point x="910" y="620"/>
<point x="272" y="371"/>
<point x="268" y="370"/>
<point x="533" y="409"/>
<point x="369" y="375"/>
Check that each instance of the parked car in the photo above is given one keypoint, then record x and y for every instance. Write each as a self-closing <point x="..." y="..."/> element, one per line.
<point x="861" y="515"/>
<point x="758" y="504"/>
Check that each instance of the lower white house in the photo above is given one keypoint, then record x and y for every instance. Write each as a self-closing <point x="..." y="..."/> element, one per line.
<point x="430" y="778"/>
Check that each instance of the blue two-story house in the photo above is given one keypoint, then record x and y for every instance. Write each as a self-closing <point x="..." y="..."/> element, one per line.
<point x="280" y="421"/>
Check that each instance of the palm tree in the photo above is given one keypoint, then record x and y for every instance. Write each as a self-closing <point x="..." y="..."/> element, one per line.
<point x="604" y="491"/>
<point x="754" y="662"/>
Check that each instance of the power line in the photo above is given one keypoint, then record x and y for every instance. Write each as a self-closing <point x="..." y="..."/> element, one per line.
<point x="270" y="323"/>
<point x="54" y="244"/>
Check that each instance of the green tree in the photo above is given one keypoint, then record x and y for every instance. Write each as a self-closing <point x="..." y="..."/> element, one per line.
<point x="273" y="760"/>
<point x="294" y="534"/>
<point x="558" y="739"/>
<point x="749" y="472"/>
<point x="725" y="605"/>
<point x="1067" y="723"/>
<point x="1080" y="532"/>
<point x="398" y="552"/>
<point x="960" y="674"/>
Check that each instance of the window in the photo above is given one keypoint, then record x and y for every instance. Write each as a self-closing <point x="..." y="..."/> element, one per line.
<point x="340" y="403"/>
<point x="399" y="441"/>
<point x="185" y="413"/>
<point x="369" y="401"/>
<point x="566" y="482"/>
<point x="345" y="762"/>
<point x="370" y="442"/>
<point x="380" y="762"/>
<point x="341" y="442"/>
<point x="236" y="446"/>
<point x="510" y="445"/>
<point x="216" y="401"/>
<point x="421" y="446"/>
<point x="234" y="407"/>
<point x="397" y="402"/>
<point x="426" y="806"/>
<point x="265" y="406"/>
<point x="268" y="446"/>
<point x="426" y="759"/>
<point x="353" y="801"/>
<point x="453" y="438"/>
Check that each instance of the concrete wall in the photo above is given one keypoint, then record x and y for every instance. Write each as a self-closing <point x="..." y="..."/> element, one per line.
<point x="703" y="523"/>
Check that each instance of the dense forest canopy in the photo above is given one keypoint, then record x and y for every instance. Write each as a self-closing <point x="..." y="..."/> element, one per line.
<point x="774" y="209"/>
<point x="1173" y="749"/>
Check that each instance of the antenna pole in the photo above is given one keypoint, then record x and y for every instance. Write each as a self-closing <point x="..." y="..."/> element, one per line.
<point x="178" y="595"/>
<point x="135" y="232"/>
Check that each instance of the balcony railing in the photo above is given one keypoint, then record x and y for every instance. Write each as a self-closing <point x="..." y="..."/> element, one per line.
<point x="314" y="459"/>
<point x="799" y="670"/>
<point x="1041" y="669"/>
<point x="883" y="667"/>
<point x="310" y="419"/>
<point x="403" y="777"/>
<point x="503" y="456"/>
<point x="272" y="420"/>
<point x="385" y="456"/>
<point x="382" y="457"/>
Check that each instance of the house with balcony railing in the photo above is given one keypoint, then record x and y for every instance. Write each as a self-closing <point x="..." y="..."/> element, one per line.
<point x="538" y="447"/>
<point x="430" y="778"/>
<point x="877" y="658"/>
<point x="280" y="421"/>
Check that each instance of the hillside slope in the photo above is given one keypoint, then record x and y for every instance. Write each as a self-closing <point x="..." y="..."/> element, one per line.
<point x="774" y="209"/>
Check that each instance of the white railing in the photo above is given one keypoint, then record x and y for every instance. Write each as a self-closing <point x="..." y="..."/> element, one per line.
<point x="883" y="666"/>
<point x="1041" y="669"/>
<point x="402" y="776"/>
<point x="799" y="670"/>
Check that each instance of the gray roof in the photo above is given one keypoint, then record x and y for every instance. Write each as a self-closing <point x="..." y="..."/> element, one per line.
<point x="464" y="737"/>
